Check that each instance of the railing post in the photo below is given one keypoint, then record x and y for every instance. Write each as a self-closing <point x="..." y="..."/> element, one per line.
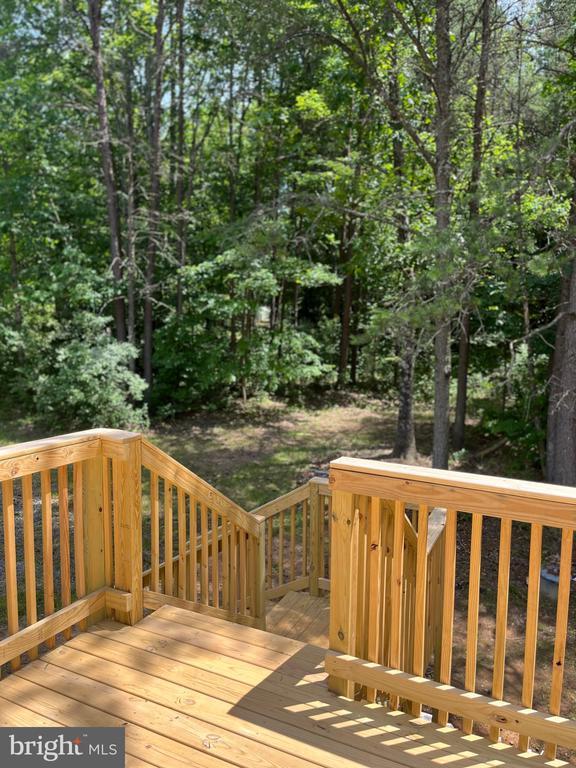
<point x="128" y="526"/>
<point x="344" y="535"/>
<point x="315" y="536"/>
<point x="93" y="507"/>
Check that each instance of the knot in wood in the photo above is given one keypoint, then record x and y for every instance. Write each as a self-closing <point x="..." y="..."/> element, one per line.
<point x="340" y="635"/>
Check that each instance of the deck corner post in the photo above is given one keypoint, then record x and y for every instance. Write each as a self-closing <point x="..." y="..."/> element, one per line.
<point x="315" y="537"/>
<point x="94" y="541"/>
<point x="344" y="531"/>
<point x="128" y="528"/>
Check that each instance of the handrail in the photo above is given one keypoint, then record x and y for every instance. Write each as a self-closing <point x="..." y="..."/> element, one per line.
<point x="451" y="482"/>
<point x="271" y="508"/>
<point x="156" y="460"/>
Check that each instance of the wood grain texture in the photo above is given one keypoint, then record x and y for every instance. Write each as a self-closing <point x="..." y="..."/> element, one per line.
<point x="47" y="547"/>
<point x="471" y="707"/>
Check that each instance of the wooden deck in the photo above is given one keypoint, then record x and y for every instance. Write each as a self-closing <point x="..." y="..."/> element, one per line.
<point x="193" y="690"/>
<point x="302" y="617"/>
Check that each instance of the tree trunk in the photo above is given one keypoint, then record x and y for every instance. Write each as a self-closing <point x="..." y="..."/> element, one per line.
<point x="459" y="429"/>
<point x="442" y="202"/>
<point x="345" y="331"/>
<point x="180" y="212"/>
<point x="105" y="146"/>
<point x="462" y="392"/>
<point x="561" y="431"/>
<point x="154" y="201"/>
<point x="405" y="443"/>
<point x="130" y="209"/>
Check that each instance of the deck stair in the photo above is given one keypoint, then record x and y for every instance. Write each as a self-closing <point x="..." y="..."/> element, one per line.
<point x="301" y="617"/>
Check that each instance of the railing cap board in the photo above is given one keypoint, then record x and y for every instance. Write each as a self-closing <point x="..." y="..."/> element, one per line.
<point x="23" y="459"/>
<point x="62" y="441"/>
<point x="271" y="508"/>
<point x="464" y="480"/>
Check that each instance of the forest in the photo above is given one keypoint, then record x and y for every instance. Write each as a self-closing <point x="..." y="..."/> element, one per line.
<point x="203" y="202"/>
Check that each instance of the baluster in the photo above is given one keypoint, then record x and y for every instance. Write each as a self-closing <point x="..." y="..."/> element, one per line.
<point x="501" y="615"/>
<point x="47" y="548"/>
<point x="154" y="533"/>
<point x="531" y="623"/>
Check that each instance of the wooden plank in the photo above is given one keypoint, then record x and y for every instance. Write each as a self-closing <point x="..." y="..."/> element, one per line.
<point x="316" y="515"/>
<point x="10" y="561"/>
<point x="214" y="558"/>
<point x="19" y="460"/>
<point x="362" y="504"/>
<point x="418" y="660"/>
<point x="396" y="591"/>
<point x="250" y="691"/>
<point x="305" y="536"/>
<point x="281" y="548"/>
<point x="181" y="544"/>
<point x="242" y="573"/>
<point x="78" y="511"/>
<point x="260" y="576"/>
<point x="155" y="600"/>
<point x="29" y="556"/>
<point x="155" y="459"/>
<point x="192" y="727"/>
<point x="531" y="639"/>
<point x="562" y="615"/>
<point x="282" y="503"/>
<point x="443" y="697"/>
<point x="445" y="674"/>
<point x="193" y="574"/>
<point x="290" y="739"/>
<point x="302" y="582"/>
<point x="64" y="531"/>
<point x="31" y="636"/>
<point x="204" y="597"/>
<point x="154" y="533"/>
<point x="251" y="574"/>
<point x="473" y="611"/>
<point x="233" y="567"/>
<point x="269" y="552"/>
<point x="93" y="523"/>
<point x="524" y="508"/>
<point x="292" y="542"/>
<point x="344" y="532"/>
<point x="225" y="564"/>
<point x="107" y="520"/>
<point x="375" y="596"/>
<point x="159" y="749"/>
<point x="168" y="537"/>
<point x="544" y="492"/>
<point x="128" y="525"/>
<point x="501" y="615"/>
<point x="47" y="548"/>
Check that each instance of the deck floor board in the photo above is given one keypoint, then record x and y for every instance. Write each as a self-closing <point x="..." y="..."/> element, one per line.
<point x="193" y="690"/>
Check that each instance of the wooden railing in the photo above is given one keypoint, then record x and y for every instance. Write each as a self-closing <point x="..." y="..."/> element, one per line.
<point x="387" y="491"/>
<point x="59" y="565"/>
<point x="203" y="548"/>
<point x="297" y="540"/>
<point x="81" y="511"/>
